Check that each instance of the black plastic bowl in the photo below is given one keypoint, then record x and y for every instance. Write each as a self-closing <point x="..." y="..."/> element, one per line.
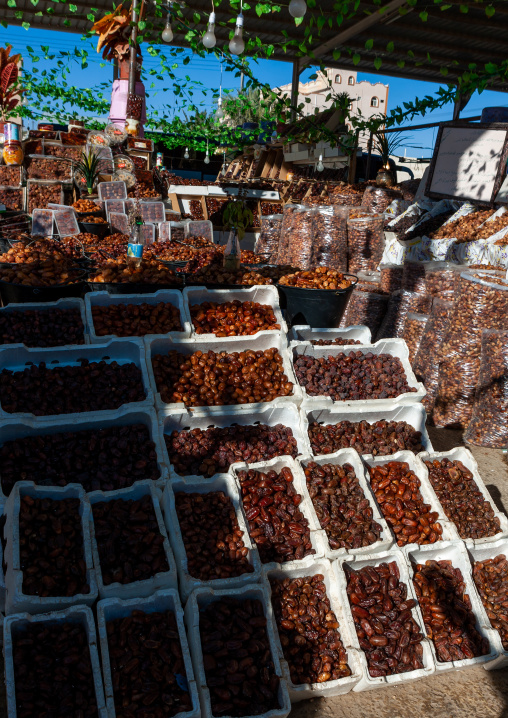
<point x="101" y="230"/>
<point x="316" y="307"/>
<point x="21" y="294"/>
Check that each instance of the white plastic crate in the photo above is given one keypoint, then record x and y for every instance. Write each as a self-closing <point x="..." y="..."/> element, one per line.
<point x="188" y="583"/>
<point x="306" y="333"/>
<point x="341" y="686"/>
<point x="65" y="303"/>
<point x="199" y="228"/>
<point x="263" y="295"/>
<point x="455" y="551"/>
<point x="201" y="598"/>
<point x="462" y="454"/>
<point x="341" y="457"/>
<point x="2" y="576"/>
<point x="428" y="494"/>
<point x="235" y="344"/>
<point x="16" y="601"/>
<point x="77" y="614"/>
<point x="269" y="414"/>
<point x="482" y="553"/>
<point x="317" y="535"/>
<point x="161" y="601"/>
<point x="11" y="429"/>
<point x="17" y="357"/>
<point x="326" y="413"/>
<point x="393" y="347"/>
<point x="163" y="579"/>
<point x="104" y="299"/>
<point x="369" y="682"/>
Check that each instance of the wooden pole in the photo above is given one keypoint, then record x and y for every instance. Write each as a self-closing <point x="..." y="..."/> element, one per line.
<point x="133" y="48"/>
<point x="295" y="82"/>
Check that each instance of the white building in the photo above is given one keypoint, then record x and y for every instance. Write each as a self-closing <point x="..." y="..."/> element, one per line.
<point x="366" y="98"/>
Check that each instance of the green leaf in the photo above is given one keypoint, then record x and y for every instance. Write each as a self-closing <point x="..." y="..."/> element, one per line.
<point x="390" y="46"/>
<point x="445" y="7"/>
<point x="336" y="54"/>
<point x="18" y="14"/>
<point x="141" y="24"/>
<point x="491" y="68"/>
<point x="424" y="15"/>
<point x="298" y="21"/>
<point x="443" y="71"/>
<point x="377" y="63"/>
<point x="73" y="8"/>
<point x="11" y="3"/>
<point x="489" y="11"/>
<point x="464" y="9"/>
<point x="356" y="58"/>
<point x="25" y="25"/>
<point x="400" y="63"/>
<point x="369" y="44"/>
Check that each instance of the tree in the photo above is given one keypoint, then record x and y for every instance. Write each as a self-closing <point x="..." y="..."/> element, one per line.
<point x="247" y="106"/>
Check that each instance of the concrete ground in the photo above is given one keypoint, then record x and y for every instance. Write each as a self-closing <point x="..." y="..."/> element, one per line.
<point x="471" y="693"/>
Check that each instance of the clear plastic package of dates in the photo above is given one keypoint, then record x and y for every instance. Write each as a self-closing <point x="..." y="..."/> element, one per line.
<point x="399" y="304"/>
<point x="377" y="199"/>
<point x="287" y="231"/>
<point x="489" y="421"/>
<point x="425" y="364"/>
<point x="366" y="242"/>
<point x="301" y="242"/>
<point x="329" y="247"/>
<point x="268" y="241"/>
<point x="413" y="277"/>
<point x="442" y="279"/>
<point x="366" y="308"/>
<point x="414" y="329"/>
<point x="391" y="277"/>
<point x="481" y="303"/>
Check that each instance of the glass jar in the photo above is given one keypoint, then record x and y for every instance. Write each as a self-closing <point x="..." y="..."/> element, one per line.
<point x="13" y="151"/>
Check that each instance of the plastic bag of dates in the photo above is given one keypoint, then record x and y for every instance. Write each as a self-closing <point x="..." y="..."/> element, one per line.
<point x="329" y="247"/>
<point x="413" y="277"/>
<point x="365" y="308"/>
<point x="268" y="240"/>
<point x="377" y="199"/>
<point x="399" y="305"/>
<point x="414" y="329"/>
<point x="301" y="240"/>
<point x="442" y="279"/>
<point x="482" y="303"/>
<point x="391" y="277"/>
<point x="287" y="230"/>
<point x="425" y="363"/>
<point x="366" y="241"/>
<point x="489" y="421"/>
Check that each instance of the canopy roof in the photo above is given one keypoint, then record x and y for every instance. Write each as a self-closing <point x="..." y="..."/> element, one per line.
<point x="452" y="38"/>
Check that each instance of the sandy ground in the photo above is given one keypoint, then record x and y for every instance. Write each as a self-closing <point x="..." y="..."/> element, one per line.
<point x="470" y="693"/>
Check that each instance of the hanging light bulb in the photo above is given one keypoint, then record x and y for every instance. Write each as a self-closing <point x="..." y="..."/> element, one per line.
<point x="207" y="156"/>
<point x="167" y="33"/>
<point x="297" y="8"/>
<point x="320" y="166"/>
<point x="209" y="38"/>
<point x="186" y="154"/>
<point x="237" y="45"/>
<point x="220" y="112"/>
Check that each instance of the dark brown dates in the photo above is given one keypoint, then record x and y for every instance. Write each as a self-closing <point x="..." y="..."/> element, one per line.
<point x="379" y="438"/>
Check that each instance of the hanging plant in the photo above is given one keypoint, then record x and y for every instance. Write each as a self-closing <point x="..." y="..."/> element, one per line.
<point x="10" y="91"/>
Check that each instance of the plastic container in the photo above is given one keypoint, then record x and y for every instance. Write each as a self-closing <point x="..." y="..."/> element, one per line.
<point x="135" y="589"/>
<point x="262" y="294"/>
<point x="486" y="551"/>
<point x="463" y="455"/>
<point x="305" y="691"/>
<point x="318" y="537"/>
<point x="147" y="232"/>
<point x="457" y="554"/>
<point x="40" y="427"/>
<point x="11" y="293"/>
<point x="269" y="414"/>
<point x="393" y="347"/>
<point x="77" y="614"/>
<point x="161" y="601"/>
<point x="326" y="413"/>
<point x="42" y="222"/>
<point x="112" y="190"/>
<point x="201" y="598"/>
<point x="339" y="458"/>
<point x="316" y="307"/>
<point x="104" y="299"/>
<point x="152" y="212"/>
<point x="368" y="682"/>
<point x="417" y="466"/>
<point x="114" y="205"/>
<point x="15" y="600"/>
<point x="118" y="222"/>
<point x="71" y="303"/>
<point x="17" y="357"/>
<point x="59" y="193"/>
<point x="260" y="342"/>
<point x="66" y="224"/>
<point x="305" y="333"/>
<point x="186" y="582"/>
<point x="199" y="228"/>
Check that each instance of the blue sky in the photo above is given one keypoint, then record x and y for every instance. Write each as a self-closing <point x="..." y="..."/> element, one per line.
<point x="207" y="71"/>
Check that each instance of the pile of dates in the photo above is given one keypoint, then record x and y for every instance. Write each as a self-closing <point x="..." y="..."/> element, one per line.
<point x="380" y="438"/>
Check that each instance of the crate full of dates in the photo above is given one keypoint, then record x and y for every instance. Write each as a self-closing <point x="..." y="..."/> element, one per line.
<point x="450" y="606"/>
<point x="343" y="505"/>
<point x="370" y="431"/>
<point x="334" y="667"/>
<point x="13" y="198"/>
<point x="63" y="646"/>
<point x="377" y="372"/>
<point x="73" y="381"/>
<point x="44" y="324"/>
<point x="49" y="168"/>
<point x="209" y="537"/>
<point x="324" y="337"/>
<point x="214" y="373"/>
<point x="389" y="656"/>
<point x="197" y="447"/>
<point x="284" y="531"/>
<point x="490" y="576"/>
<point x="226" y="622"/>
<point x="130" y="546"/>
<point x="407" y="501"/>
<point x="100" y="454"/>
<point x="40" y="193"/>
<point x="148" y="315"/>
<point x="234" y="312"/>
<point x="463" y="496"/>
<point x="143" y="641"/>
<point x="48" y="553"/>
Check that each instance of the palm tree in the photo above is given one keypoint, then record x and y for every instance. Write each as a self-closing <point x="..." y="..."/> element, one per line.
<point x="246" y="106"/>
